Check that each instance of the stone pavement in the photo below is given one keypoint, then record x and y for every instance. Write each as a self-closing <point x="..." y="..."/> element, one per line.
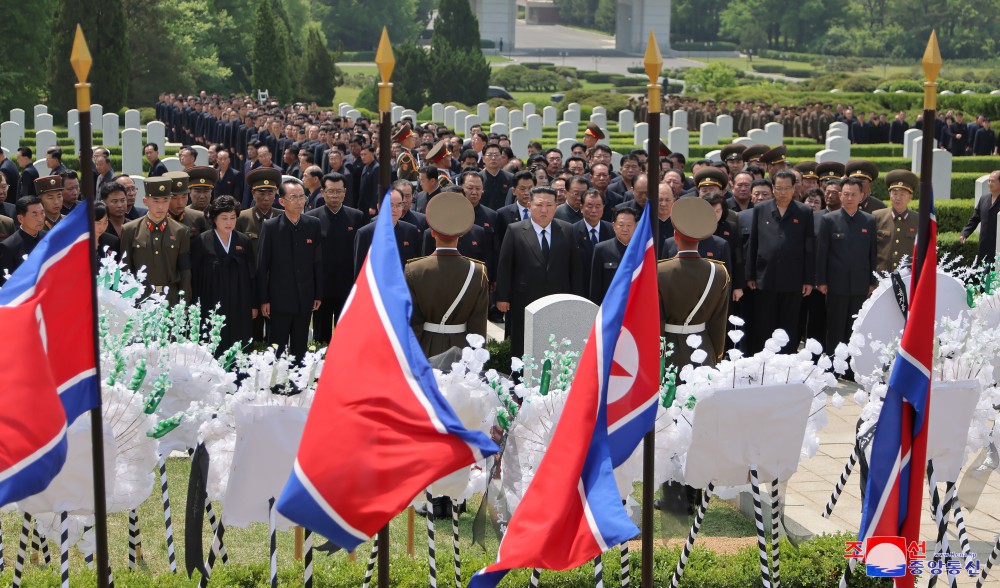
<point x="810" y="487"/>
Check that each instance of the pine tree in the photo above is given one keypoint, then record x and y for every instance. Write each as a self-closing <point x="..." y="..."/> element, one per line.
<point x="409" y="78"/>
<point x="104" y="27"/>
<point x="458" y="70"/>
<point x="319" y="78"/>
<point x="270" y="54"/>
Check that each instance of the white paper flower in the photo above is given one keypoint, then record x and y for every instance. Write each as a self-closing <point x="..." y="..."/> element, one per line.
<point x="699" y="356"/>
<point x="781" y="337"/>
<point x="693" y="341"/>
<point x="736" y="321"/>
<point x="837" y="401"/>
<point x="516" y="364"/>
<point x="475" y="340"/>
<point x="813" y="346"/>
<point x="736" y="335"/>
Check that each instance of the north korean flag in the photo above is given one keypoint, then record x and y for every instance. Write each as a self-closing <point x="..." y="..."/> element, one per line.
<point x="379" y="431"/>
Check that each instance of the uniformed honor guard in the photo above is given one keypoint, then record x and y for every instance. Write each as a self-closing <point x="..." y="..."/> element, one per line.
<point x="867" y="172"/>
<point x="49" y="191"/>
<point x="450" y="292"/>
<point x="896" y="226"/>
<point x="438" y="156"/>
<point x="753" y="153"/>
<point x="774" y="160"/>
<point x="159" y="244"/>
<point x="694" y="292"/>
<point x="407" y="138"/>
<point x="592" y="135"/>
<point x="263" y="183"/>
<point x="179" y="209"/>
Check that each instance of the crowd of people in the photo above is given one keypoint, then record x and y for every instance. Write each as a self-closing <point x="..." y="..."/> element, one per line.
<point x="275" y="230"/>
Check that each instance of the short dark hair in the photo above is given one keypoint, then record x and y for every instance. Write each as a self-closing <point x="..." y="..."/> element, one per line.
<point x="573" y="158"/>
<point x="153" y="145"/>
<point x="100" y="210"/>
<point x="70" y="174"/>
<point x="524" y="175"/>
<point x="852" y="181"/>
<point x="579" y="180"/>
<point x="813" y="192"/>
<point x="465" y="175"/>
<point x="453" y="188"/>
<point x="592" y="192"/>
<point x="787" y="174"/>
<point x="543" y="190"/>
<point x="626" y="210"/>
<point x="24" y="152"/>
<point x="430" y="171"/>
<point x="222" y="204"/>
<point x="55" y="153"/>
<point x="762" y="182"/>
<point x="334" y="177"/>
<point x="491" y="145"/>
<point x="110" y="187"/>
<point x="22" y="204"/>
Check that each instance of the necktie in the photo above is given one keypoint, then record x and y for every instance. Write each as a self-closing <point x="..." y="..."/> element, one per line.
<point x="524" y="214"/>
<point x="593" y="236"/>
<point x="545" y="246"/>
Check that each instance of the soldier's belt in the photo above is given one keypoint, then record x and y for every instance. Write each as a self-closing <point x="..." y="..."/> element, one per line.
<point x="445" y="329"/>
<point x="683" y="329"/>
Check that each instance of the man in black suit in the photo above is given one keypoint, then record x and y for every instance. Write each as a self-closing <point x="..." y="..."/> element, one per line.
<point x="591" y="230"/>
<point x="474" y="244"/>
<point x="571" y="211"/>
<point x="780" y="262"/>
<point x="429" y="187"/>
<point x="31" y="219"/>
<point x="7" y="209"/>
<point x="538" y="257"/>
<point x="898" y="128"/>
<point x="608" y="254"/>
<point x="230" y="180"/>
<point x="29" y="173"/>
<point x="7" y="168"/>
<point x="339" y="224"/>
<point x="289" y="268"/>
<point x="156" y="167"/>
<point x="846" y="260"/>
<point x="368" y="196"/>
<point x="519" y="210"/>
<point x="986" y="214"/>
<point x="985" y="140"/>
<point x="416" y="219"/>
<point x="496" y="181"/>
<point x="407" y="239"/>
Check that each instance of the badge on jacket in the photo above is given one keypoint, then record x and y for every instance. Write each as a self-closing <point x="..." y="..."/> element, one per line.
<point x="309" y="241"/>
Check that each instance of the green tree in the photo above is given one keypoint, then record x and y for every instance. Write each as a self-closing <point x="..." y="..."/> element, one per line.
<point x="457" y="25"/>
<point x="320" y="78"/>
<point x="270" y="54"/>
<point x="356" y="25"/>
<point x="22" y="73"/>
<point x="234" y="40"/>
<point x="458" y="70"/>
<point x="409" y="78"/>
<point x="604" y="19"/>
<point x="712" y="77"/>
<point x="104" y="26"/>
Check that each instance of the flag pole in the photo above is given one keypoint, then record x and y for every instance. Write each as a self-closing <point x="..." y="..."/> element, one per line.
<point x="81" y="60"/>
<point x="385" y="61"/>
<point x="653" y="62"/>
<point x="932" y="66"/>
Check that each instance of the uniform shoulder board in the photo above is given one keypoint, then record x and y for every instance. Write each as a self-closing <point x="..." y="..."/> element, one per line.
<point x="482" y="263"/>
<point x="715" y="261"/>
<point x="408" y="261"/>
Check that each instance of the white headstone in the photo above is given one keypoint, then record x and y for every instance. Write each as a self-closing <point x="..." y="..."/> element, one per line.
<point x="680" y="118"/>
<point x="842" y="146"/>
<point x="17" y="115"/>
<point x="43" y="122"/>
<point x="564" y="315"/>
<point x="437" y="112"/>
<point x="355" y="114"/>
<point x="202" y="155"/>
<point x="600" y="110"/>
<point x="677" y="140"/>
<point x="483" y="111"/>
<point x="837" y="125"/>
<point x="172" y="164"/>
<point x="42" y="168"/>
<point x="572" y="115"/>
<point x="471" y="121"/>
<point x="515" y="118"/>
<point x="96" y="112"/>
<point x="665" y="125"/>
<point x="519" y="139"/>
<point x="567" y="130"/>
<point x="725" y="123"/>
<point x="156" y="132"/>
<point x="573" y="106"/>
<point x="533" y="122"/>
<point x="498" y="128"/>
<point x="709" y="134"/>
<point x="600" y="119"/>
<point x="40" y="109"/>
<point x="745" y="141"/>
<point x="626" y="121"/>
<point x="717" y="154"/>
<point x="549" y="115"/>
<point x="344" y="107"/>
<point x="982" y="187"/>
<point x="616" y="160"/>
<point x="140" y="183"/>
<point x="74" y="133"/>
<point x="449" y="116"/>
<point x="528" y="108"/>
<point x="133" y="119"/>
<point x="566" y="147"/>
<point x="132" y="152"/>
<point x="827" y="155"/>
<point x="460" y="116"/>
<point x="73" y="117"/>
<point x="10" y="135"/>
<point x="501" y="114"/>
<point x="758" y="137"/>
<point x="43" y="140"/>
<point x="941" y="178"/>
<point x="775" y="133"/>
<point x="641" y="133"/>
<point x="109" y="126"/>
<point x="410" y="114"/>
<point x="838" y="132"/>
<point x="396" y="114"/>
<point x="908" y="137"/>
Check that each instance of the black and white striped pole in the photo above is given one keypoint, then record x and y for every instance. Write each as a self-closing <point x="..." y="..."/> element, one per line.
<point x="1" y="550"/>
<point x="989" y="563"/>
<point x="64" y="548"/>
<point x="699" y="518"/>
<point x="213" y="555"/>
<point x="431" y="555"/>
<point x="214" y="522"/>
<point x="839" y="488"/>
<point x="598" y="572"/>
<point x="536" y="576"/>
<point x="22" y="548"/>
<point x="626" y="565"/>
<point x="307" y="573"/>
<point x="758" y="513"/>
<point x="457" y="555"/>
<point x="168" y="522"/>
<point x="272" y="530"/>
<point x="775" y="535"/>
<point x="963" y="531"/>
<point x="370" y="570"/>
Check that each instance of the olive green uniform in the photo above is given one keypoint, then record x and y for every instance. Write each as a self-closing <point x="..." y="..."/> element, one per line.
<point x="435" y="282"/>
<point x="681" y="282"/>
<point x="896" y="237"/>
<point x="166" y="255"/>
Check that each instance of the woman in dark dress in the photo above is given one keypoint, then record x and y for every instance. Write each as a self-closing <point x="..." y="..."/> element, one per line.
<point x="107" y="243"/>
<point x="222" y="273"/>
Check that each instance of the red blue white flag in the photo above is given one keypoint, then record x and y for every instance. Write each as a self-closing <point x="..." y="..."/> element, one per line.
<point x="379" y="431"/>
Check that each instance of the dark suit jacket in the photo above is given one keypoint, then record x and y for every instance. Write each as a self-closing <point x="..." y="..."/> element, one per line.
<point x="781" y="256"/>
<point x="407" y="241"/>
<point x="9" y="169"/>
<point x="985" y="213"/>
<point x="714" y="247"/>
<point x="581" y="235"/>
<point x="607" y="257"/>
<point x="26" y="184"/>
<point x="338" y="232"/>
<point x="14" y="248"/>
<point x="290" y="264"/>
<point x="230" y="184"/>
<point x="475" y="245"/>
<point x="422" y="198"/>
<point x="506" y="216"/>
<point x="846" y="252"/>
<point x="565" y="213"/>
<point x="157" y="169"/>
<point x="8" y="210"/>
<point x="368" y="188"/>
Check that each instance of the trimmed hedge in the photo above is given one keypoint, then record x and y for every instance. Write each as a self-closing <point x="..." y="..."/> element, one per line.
<point x="948" y="243"/>
<point x="951" y="214"/>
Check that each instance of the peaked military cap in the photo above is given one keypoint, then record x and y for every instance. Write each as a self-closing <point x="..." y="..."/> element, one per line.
<point x="48" y="184"/>
<point x="157" y="187"/>
<point x="711" y="176"/>
<point x="178" y="182"/>
<point x="753" y="152"/>
<point x="862" y="168"/>
<point x="830" y="170"/>
<point x="902" y="179"/>
<point x="594" y="131"/>
<point x="450" y="214"/>
<point x="807" y="169"/>
<point x="264" y="178"/>
<point x="733" y="151"/>
<point x="203" y="176"/>
<point x="694" y="218"/>
<point x="774" y="156"/>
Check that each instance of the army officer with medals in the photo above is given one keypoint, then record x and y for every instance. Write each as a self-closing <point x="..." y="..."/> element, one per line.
<point x="450" y="292"/>
<point x="896" y="226"/>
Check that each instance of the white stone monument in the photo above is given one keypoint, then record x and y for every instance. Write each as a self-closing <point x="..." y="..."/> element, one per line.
<point x="483" y="111"/>
<point x="573" y="106"/>
<point x="499" y="128"/>
<point x="564" y="315"/>
<point x="156" y="132"/>
<point x="437" y="112"/>
<point x="132" y="152"/>
<point x="528" y="108"/>
<point x="571" y="115"/>
<point x="840" y="145"/>
<point x="43" y="140"/>
<point x="942" y="163"/>
<point x="567" y="130"/>
<point x="838" y="132"/>
<point x="11" y="134"/>
<point x="43" y="122"/>
<point x="533" y="122"/>
<point x="133" y="119"/>
<point x="109" y="127"/>
<point x="354" y="114"/>
<point x="549" y="116"/>
<point x="140" y="183"/>
<point x="172" y="164"/>
<point x="600" y="119"/>
<point x="837" y="125"/>
<point x="410" y="114"/>
<point x="566" y="147"/>
<point x="680" y="119"/>
<point x="626" y="121"/>
<point x="201" y="155"/>
<point x="343" y="108"/>
<point x="460" y="116"/>
<point x="745" y="141"/>
<point x="17" y="115"/>
<point x="775" y="133"/>
<point x="709" y="134"/>
<point x="641" y="133"/>
<point x="725" y="123"/>
<point x="501" y="115"/>
<point x="449" y="116"/>
<point x="982" y="187"/>
<point x="758" y="137"/>
<point x="908" y="138"/>
<point x="396" y="114"/>
<point x="677" y="140"/>
<point x="42" y="168"/>
<point x="600" y="110"/>
<point x="519" y="140"/>
<point x="827" y="155"/>
<point x="73" y="117"/>
<point x="472" y="120"/>
<point x="515" y="118"/>
<point x="96" y="112"/>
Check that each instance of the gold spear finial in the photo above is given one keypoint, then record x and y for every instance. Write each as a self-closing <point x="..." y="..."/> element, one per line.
<point x="81" y="61"/>
<point x="932" y="67"/>
<point x="385" y="61"/>
<point x="654" y="65"/>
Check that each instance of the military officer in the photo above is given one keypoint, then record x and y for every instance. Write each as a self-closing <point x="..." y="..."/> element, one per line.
<point x="867" y="172"/>
<point x="733" y="156"/>
<point x="830" y="170"/>
<point x="263" y="183"/>
<point x="49" y="191"/>
<point x="774" y="160"/>
<point x="159" y="244"/>
<point x="694" y="292"/>
<point x="753" y="153"/>
<point x="450" y="292"/>
<point x="592" y="135"/>
<point x="179" y="209"/>
<point x="896" y="226"/>
<point x="202" y="181"/>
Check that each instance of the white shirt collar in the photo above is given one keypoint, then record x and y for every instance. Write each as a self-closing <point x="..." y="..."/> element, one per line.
<point x="226" y="243"/>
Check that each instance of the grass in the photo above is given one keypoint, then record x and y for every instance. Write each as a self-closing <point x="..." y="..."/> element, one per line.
<point x="248" y="547"/>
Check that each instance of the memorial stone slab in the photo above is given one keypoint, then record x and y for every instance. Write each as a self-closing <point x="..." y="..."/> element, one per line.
<point x="573" y="106"/>
<point x="758" y="137"/>
<point x="132" y="151"/>
<point x="42" y="168"/>
<point x="96" y="112"/>
<point x="680" y="119"/>
<point x="344" y="107"/>
<point x="942" y="164"/>
<point x="133" y="119"/>
<point x="172" y="164"/>
<point x="140" y="183"/>
<point x="483" y="111"/>
<point x="74" y="133"/>
<point x="501" y="115"/>
<point x="201" y="157"/>
<point x="641" y="133"/>
<point x="572" y="116"/>
<point x="600" y="119"/>
<point x="566" y="147"/>
<point x="837" y="125"/>
<point x="745" y="141"/>
<point x="519" y="140"/>
<point x="908" y="137"/>
<point x="449" y="116"/>
<point x="600" y="110"/>
<point x="437" y="112"/>
<point x="626" y="121"/>
<point x="564" y="316"/>
<point x="43" y="122"/>
<point x="40" y="109"/>
<point x="17" y="115"/>
<point x="982" y="186"/>
<point x="533" y="122"/>
<point x="775" y="133"/>
<point x="549" y="116"/>
<point x="665" y="125"/>
<point x="410" y="114"/>
<point x="396" y="114"/>
<point x="841" y="145"/>
<point x="109" y="126"/>
<point x="471" y="121"/>
<point x="567" y="130"/>
<point x="528" y="108"/>
<point x="827" y="155"/>
<point x="515" y="119"/>
<point x="725" y="123"/>
<point x="43" y="140"/>
<point x="677" y="140"/>
<point x="499" y="128"/>
<point x="460" y="116"/>
<point x="616" y="160"/>
<point x="10" y="135"/>
<point x="838" y="132"/>
<point x="73" y="117"/>
<point x="156" y="132"/>
<point x="709" y="134"/>
<point x="354" y="114"/>
<point x="717" y="154"/>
